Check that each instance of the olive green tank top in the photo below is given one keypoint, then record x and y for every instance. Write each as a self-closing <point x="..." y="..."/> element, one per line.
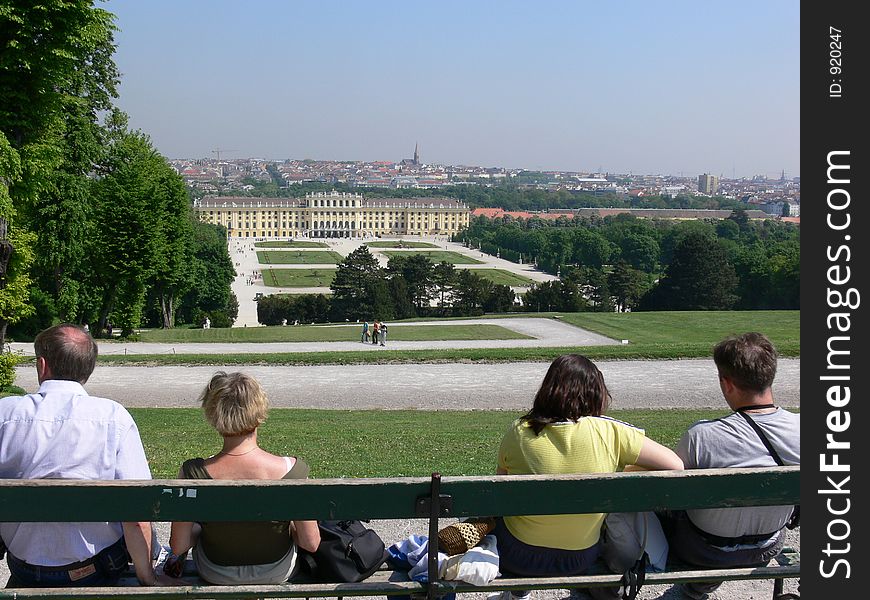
<point x="231" y="543"/>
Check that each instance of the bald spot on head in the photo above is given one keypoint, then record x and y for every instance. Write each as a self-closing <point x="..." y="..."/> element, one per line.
<point x="69" y="352"/>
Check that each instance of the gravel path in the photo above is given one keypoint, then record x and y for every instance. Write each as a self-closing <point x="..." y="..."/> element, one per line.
<point x="633" y="384"/>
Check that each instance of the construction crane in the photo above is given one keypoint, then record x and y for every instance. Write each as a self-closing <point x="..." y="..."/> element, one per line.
<point x="217" y="151"/>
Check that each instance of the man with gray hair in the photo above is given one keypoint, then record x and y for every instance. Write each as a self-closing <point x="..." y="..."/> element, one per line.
<point x="60" y="432"/>
<point x="756" y="434"/>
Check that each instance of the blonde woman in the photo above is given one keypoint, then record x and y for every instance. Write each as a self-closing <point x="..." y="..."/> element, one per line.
<point x="228" y="553"/>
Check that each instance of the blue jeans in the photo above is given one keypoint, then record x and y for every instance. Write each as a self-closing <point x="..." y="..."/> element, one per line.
<point x="102" y="570"/>
<point x="518" y="558"/>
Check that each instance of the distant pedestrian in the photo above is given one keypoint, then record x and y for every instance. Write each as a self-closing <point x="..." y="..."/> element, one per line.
<point x="365" y="333"/>
<point x="376" y="330"/>
<point x="383" y="334"/>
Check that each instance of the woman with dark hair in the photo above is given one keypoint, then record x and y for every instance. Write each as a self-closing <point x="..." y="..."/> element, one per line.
<point x="566" y="432"/>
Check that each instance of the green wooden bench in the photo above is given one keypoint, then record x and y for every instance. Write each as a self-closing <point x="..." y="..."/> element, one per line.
<point x="432" y="498"/>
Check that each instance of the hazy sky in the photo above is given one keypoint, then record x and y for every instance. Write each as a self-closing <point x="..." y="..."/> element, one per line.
<point x="654" y="86"/>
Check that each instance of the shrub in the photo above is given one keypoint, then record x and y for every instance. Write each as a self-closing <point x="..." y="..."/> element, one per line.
<point x="8" y="360"/>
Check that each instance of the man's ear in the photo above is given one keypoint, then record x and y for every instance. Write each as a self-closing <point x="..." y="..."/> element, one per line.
<point x="728" y="386"/>
<point x="42" y="370"/>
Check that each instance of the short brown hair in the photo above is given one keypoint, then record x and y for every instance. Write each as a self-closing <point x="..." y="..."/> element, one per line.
<point x="69" y="351"/>
<point x="572" y="388"/>
<point x="234" y="403"/>
<point x="748" y="360"/>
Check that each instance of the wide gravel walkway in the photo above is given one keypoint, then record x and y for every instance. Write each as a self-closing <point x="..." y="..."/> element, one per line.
<point x="456" y="386"/>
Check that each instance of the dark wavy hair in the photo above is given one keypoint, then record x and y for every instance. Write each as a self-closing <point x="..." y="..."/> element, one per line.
<point x="572" y="388"/>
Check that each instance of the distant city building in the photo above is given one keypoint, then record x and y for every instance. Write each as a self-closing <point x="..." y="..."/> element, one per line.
<point x="708" y="184"/>
<point x="412" y="162"/>
<point x="333" y="214"/>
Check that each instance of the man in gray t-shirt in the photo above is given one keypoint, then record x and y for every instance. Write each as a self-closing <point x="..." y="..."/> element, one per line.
<point x="745" y="536"/>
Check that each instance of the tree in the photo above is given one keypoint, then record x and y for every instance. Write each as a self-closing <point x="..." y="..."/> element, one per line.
<point x="353" y="293"/>
<point x="544" y="296"/>
<point x="469" y="293"/>
<point x="627" y="285"/>
<point x="443" y="282"/>
<point x="417" y="271"/>
<point x="16" y="249"/>
<point x="211" y="273"/>
<point x="700" y="277"/>
<point x="641" y="252"/>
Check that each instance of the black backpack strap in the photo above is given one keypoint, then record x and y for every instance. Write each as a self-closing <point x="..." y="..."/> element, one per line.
<point x="761" y="435"/>
<point x="795" y="519"/>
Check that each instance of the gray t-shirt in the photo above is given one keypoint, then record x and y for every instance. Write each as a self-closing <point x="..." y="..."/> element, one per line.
<point x="731" y="442"/>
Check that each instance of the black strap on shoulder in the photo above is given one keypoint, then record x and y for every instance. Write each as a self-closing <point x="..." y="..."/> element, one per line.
<point x="742" y="412"/>
<point x="795" y="518"/>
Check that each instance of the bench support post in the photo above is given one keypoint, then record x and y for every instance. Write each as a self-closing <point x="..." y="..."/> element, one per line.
<point x="434" y="513"/>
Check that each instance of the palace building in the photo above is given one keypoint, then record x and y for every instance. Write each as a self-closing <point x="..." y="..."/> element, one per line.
<point x="333" y="214"/>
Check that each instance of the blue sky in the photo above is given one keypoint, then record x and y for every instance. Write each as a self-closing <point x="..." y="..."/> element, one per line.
<point x="626" y="86"/>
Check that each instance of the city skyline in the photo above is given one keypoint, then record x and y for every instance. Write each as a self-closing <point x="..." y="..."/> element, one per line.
<point x="642" y="88"/>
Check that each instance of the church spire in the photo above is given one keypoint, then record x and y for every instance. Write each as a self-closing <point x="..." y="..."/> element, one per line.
<point x="416" y="154"/>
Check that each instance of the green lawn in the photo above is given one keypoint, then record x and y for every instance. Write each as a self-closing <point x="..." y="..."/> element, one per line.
<point x="298" y="277"/>
<point x="690" y="327"/>
<point x="438" y="256"/>
<point x="308" y="257"/>
<point x="291" y="245"/>
<point x="398" y="244"/>
<point x="373" y="443"/>
<point x="502" y="277"/>
<point x="319" y="333"/>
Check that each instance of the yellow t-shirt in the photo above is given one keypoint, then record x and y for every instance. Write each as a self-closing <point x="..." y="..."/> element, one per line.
<point x="591" y="445"/>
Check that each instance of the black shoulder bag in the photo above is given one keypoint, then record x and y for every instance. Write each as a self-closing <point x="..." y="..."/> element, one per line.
<point x="348" y="553"/>
<point x="795" y="519"/>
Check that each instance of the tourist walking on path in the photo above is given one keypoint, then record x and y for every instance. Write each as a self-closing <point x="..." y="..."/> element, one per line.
<point x="376" y="331"/>
<point x="383" y="334"/>
<point x="364" y="337"/>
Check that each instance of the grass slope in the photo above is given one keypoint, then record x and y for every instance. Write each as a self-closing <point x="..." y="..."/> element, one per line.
<point x="308" y="257"/>
<point x="398" y="244"/>
<point x="298" y="277"/>
<point x="371" y="443"/>
<point x="437" y="256"/>
<point x="342" y="333"/>
<point x="502" y="277"/>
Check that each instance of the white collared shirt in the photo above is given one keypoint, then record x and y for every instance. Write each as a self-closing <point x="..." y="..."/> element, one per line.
<point x="62" y="433"/>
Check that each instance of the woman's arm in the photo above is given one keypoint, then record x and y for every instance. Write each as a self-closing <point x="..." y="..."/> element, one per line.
<point x="656" y="457"/>
<point x="306" y="534"/>
<point x="181" y="535"/>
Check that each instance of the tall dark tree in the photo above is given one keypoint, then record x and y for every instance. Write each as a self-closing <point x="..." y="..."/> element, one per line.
<point x="443" y="282"/>
<point x="354" y="295"/>
<point x="700" y="277"/>
<point x="627" y="285"/>
<point x="417" y="270"/>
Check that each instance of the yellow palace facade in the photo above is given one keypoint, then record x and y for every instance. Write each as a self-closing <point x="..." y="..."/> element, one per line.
<point x="333" y="214"/>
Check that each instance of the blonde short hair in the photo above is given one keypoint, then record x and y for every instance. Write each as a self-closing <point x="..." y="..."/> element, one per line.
<point x="234" y="403"/>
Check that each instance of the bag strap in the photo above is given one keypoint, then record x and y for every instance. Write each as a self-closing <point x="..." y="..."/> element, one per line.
<point x="795" y="519"/>
<point x="757" y="428"/>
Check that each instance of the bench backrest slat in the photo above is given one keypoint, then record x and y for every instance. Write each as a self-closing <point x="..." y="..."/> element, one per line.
<point x="188" y="500"/>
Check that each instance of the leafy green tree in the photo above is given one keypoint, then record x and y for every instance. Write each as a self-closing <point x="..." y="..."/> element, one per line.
<point x="417" y="270"/>
<point x="443" y="282"/>
<point x="16" y="250"/>
<point x="470" y="292"/>
<point x="211" y="272"/>
<point x="628" y="285"/>
<point x="641" y="252"/>
<point x="544" y="297"/>
<point x="354" y="295"/>
<point x="700" y="277"/>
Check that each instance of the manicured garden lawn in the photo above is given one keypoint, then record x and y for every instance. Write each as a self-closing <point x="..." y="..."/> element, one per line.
<point x="298" y="277"/>
<point x="502" y="277"/>
<point x="398" y="244"/>
<point x="690" y="327"/>
<point x="308" y="257"/>
<point x="341" y="333"/>
<point x="287" y="244"/>
<point x="438" y="256"/>
<point x="373" y="443"/>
